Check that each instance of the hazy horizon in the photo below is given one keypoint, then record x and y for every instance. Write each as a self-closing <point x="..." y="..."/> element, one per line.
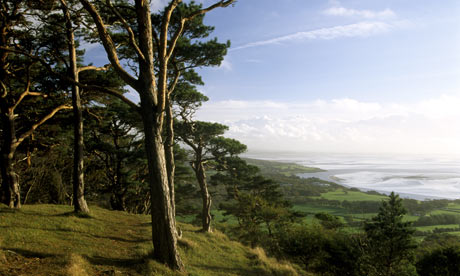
<point x="415" y="176"/>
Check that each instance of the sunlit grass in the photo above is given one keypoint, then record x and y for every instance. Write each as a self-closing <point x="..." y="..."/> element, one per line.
<point x="48" y="240"/>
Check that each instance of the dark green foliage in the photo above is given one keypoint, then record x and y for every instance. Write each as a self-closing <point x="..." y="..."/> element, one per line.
<point x="416" y="207"/>
<point x="444" y="261"/>
<point x="329" y="221"/>
<point x="320" y="250"/>
<point x="256" y="202"/>
<point x="390" y="245"/>
<point x="437" y="220"/>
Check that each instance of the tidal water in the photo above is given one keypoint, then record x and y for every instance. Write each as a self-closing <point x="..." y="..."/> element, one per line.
<point x="418" y="177"/>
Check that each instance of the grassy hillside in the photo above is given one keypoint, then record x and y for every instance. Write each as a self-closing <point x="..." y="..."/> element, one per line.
<point x="49" y="240"/>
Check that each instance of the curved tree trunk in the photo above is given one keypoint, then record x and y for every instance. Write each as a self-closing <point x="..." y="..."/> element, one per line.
<point x="205" y="197"/>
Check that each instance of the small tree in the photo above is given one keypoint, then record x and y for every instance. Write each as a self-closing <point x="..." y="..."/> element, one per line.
<point x="256" y="202"/>
<point x="390" y="247"/>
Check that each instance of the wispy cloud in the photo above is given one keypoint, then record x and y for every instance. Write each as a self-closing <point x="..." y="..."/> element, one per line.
<point x="428" y="126"/>
<point x="360" y="29"/>
<point x="368" y="14"/>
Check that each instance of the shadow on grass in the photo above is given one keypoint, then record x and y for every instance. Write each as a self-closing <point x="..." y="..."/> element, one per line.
<point x="227" y="270"/>
<point x="30" y="254"/>
<point x="75" y="214"/>
<point x="41" y="214"/>
<point x="144" y="224"/>
<point x="117" y="262"/>
<point x="119" y="239"/>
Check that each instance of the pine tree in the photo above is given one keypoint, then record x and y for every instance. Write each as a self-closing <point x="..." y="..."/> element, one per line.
<point x="390" y="244"/>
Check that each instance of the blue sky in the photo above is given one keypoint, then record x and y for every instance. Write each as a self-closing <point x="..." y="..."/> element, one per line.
<point x="343" y="76"/>
<point x="369" y="50"/>
<point x="362" y="76"/>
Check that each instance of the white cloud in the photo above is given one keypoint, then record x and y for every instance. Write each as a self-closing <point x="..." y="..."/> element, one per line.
<point x="342" y="125"/>
<point x="368" y="14"/>
<point x="360" y="29"/>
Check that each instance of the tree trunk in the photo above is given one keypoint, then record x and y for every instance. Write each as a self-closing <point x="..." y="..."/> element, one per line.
<point x="164" y="235"/>
<point x="79" y="201"/>
<point x="169" y="152"/>
<point x="163" y="219"/>
<point x="152" y="106"/>
<point x="205" y="197"/>
<point x="10" y="179"/>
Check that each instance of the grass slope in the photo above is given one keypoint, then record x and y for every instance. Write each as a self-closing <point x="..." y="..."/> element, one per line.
<point x="49" y="240"/>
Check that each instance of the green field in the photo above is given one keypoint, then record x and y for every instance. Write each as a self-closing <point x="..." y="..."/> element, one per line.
<point x="346" y="194"/>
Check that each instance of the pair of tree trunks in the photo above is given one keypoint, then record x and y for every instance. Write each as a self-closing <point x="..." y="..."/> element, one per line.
<point x="164" y="234"/>
<point x="78" y="179"/>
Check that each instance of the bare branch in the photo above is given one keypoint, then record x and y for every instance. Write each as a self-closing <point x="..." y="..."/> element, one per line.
<point x="106" y="91"/>
<point x="178" y="33"/>
<point x="4" y="93"/>
<point x="108" y="44"/>
<point x="176" y="80"/>
<point x="128" y="29"/>
<point x="39" y="123"/>
<point x="175" y="38"/>
<point x="221" y="4"/>
<point x="95" y="68"/>
<point x="27" y="93"/>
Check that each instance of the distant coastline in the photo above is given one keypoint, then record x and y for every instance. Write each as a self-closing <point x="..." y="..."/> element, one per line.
<point x="416" y="177"/>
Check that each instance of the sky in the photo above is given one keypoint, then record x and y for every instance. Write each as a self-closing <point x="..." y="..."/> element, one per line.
<point x="352" y="76"/>
<point x="358" y="76"/>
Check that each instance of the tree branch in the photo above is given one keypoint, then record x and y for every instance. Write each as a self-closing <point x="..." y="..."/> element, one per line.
<point x="128" y="29"/>
<point x="95" y="68"/>
<point x="81" y="85"/>
<point x="222" y="3"/>
<point x="24" y="94"/>
<point x="176" y="80"/>
<point x="39" y="123"/>
<point x="106" y="91"/>
<point x="108" y="44"/>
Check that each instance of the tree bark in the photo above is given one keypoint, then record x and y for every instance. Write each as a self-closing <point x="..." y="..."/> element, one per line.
<point x="205" y="197"/>
<point x="169" y="152"/>
<point x="10" y="179"/>
<point x="78" y="181"/>
<point x="163" y="219"/>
